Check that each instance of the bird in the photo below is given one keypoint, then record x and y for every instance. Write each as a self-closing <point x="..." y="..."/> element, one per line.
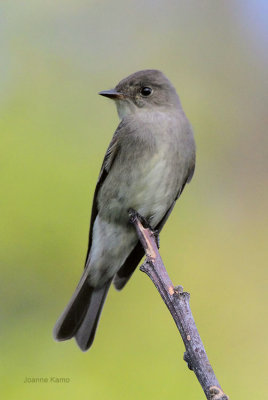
<point x="150" y="159"/>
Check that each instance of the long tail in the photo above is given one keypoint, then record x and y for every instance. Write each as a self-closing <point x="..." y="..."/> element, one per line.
<point x="81" y="316"/>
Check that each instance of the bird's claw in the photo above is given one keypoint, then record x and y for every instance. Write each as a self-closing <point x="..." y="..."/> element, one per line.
<point x="133" y="214"/>
<point x="157" y="238"/>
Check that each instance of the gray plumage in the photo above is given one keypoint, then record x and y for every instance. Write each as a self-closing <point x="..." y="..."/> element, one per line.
<point x="150" y="159"/>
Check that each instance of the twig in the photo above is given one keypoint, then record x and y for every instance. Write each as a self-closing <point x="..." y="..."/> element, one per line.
<point x="177" y="301"/>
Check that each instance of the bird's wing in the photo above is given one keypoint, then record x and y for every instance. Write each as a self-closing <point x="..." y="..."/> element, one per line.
<point x="108" y="161"/>
<point x="137" y="253"/>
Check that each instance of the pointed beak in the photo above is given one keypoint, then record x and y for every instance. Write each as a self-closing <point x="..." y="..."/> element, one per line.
<point x="112" y="94"/>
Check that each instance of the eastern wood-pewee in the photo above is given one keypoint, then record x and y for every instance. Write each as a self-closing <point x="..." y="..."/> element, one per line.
<point x="150" y="159"/>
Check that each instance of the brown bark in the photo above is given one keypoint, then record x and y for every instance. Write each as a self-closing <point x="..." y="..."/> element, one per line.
<point x="177" y="301"/>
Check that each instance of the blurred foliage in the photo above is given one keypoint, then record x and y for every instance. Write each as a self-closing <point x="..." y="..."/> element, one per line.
<point x="55" y="57"/>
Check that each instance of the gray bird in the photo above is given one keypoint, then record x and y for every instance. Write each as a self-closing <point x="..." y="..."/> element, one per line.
<point x="149" y="160"/>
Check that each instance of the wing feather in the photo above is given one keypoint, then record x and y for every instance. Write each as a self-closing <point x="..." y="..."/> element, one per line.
<point x="108" y="161"/>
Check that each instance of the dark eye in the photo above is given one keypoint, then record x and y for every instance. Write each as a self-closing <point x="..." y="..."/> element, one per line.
<point x="146" y="91"/>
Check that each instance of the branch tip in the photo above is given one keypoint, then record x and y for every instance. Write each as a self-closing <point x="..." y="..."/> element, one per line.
<point x="177" y="302"/>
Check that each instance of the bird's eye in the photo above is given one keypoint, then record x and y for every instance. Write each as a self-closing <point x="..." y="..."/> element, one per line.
<point x="146" y="91"/>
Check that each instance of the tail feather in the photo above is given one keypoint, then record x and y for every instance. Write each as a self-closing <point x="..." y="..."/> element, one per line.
<point x="71" y="318"/>
<point x="85" y="334"/>
<point x="80" y="317"/>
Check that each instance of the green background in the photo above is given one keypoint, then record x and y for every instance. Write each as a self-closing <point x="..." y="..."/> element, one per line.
<point x="55" y="57"/>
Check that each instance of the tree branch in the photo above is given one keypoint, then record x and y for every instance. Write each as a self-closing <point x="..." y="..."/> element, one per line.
<point x="177" y="301"/>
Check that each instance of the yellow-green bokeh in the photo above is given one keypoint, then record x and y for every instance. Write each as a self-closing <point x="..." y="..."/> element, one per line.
<point x="55" y="57"/>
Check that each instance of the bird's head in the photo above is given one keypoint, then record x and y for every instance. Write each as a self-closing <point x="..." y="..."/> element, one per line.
<point x="147" y="90"/>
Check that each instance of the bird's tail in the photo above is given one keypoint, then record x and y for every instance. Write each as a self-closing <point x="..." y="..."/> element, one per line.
<point x="81" y="316"/>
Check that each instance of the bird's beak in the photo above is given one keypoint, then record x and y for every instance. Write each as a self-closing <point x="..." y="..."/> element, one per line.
<point x="112" y="94"/>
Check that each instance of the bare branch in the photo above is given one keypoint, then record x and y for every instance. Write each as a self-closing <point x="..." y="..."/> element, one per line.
<point x="177" y="301"/>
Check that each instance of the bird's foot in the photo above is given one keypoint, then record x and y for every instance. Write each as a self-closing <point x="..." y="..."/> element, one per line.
<point x="133" y="214"/>
<point x="157" y="237"/>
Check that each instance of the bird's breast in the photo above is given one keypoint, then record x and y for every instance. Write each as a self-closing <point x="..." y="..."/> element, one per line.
<point x="148" y="170"/>
<point x="144" y="181"/>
